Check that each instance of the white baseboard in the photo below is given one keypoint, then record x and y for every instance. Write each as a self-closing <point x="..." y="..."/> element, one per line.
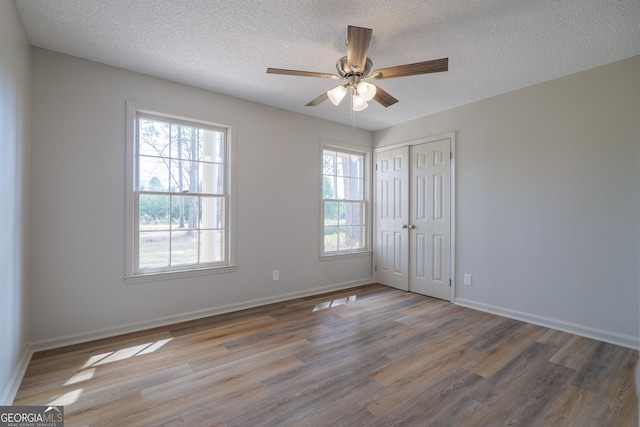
<point x="585" y="331"/>
<point x="168" y="320"/>
<point x="9" y="393"/>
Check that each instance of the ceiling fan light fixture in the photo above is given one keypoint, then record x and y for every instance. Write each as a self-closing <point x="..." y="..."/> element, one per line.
<point x="366" y="90"/>
<point x="359" y="103"/>
<point x="356" y="67"/>
<point x="336" y="94"/>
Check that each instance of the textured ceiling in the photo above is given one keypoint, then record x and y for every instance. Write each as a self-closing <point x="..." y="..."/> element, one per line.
<point x="493" y="46"/>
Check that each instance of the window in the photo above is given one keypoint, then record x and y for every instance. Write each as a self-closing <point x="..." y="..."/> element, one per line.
<point x="344" y="203"/>
<point x="179" y="201"/>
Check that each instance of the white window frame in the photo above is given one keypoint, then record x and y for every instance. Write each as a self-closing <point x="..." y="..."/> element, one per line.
<point x="133" y="109"/>
<point x="366" y="153"/>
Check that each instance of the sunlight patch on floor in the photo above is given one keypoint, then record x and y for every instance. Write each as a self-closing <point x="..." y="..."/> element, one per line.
<point x="88" y="370"/>
<point x="83" y="375"/>
<point x="334" y="303"/>
<point x="67" y="398"/>
<point x="125" y="353"/>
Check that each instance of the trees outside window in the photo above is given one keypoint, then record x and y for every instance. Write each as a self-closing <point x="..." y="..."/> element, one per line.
<point x="180" y="194"/>
<point x="343" y="201"/>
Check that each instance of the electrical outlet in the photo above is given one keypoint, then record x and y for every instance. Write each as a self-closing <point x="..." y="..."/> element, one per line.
<point x="467" y="279"/>
<point x="276" y="275"/>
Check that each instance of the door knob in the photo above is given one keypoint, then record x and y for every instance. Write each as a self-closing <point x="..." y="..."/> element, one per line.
<point x="412" y="226"/>
<point x="404" y="226"/>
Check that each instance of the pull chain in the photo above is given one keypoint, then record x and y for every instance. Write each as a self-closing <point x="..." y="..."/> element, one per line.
<point x="353" y="114"/>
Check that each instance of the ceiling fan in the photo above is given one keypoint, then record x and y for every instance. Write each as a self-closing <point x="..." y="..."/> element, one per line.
<point x="355" y="68"/>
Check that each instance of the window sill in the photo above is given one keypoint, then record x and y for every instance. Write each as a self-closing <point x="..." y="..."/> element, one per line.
<point x="338" y="256"/>
<point x="171" y="275"/>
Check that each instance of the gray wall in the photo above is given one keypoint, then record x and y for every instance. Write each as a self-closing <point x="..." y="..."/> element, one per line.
<point x="548" y="200"/>
<point x="15" y="68"/>
<point x="78" y="172"/>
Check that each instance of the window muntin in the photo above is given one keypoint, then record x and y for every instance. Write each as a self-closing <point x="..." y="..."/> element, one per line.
<point x="343" y="201"/>
<point x="181" y="197"/>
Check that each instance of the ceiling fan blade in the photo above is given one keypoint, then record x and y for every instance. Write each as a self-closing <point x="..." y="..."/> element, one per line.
<point x="318" y="100"/>
<point x="426" y="67"/>
<point x="302" y="73"/>
<point x="384" y="98"/>
<point x="357" y="47"/>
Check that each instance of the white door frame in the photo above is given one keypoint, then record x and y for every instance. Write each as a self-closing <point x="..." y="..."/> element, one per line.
<point x="452" y="137"/>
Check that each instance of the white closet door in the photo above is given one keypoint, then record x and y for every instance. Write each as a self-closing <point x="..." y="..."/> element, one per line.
<point x="413" y="218"/>
<point x="392" y="218"/>
<point x="430" y="219"/>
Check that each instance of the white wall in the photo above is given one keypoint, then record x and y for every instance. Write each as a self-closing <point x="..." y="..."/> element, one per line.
<point x="77" y="222"/>
<point x="548" y="201"/>
<point x="15" y="68"/>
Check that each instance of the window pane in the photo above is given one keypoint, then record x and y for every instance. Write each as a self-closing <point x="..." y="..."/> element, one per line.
<point x="217" y="179"/>
<point x="212" y="246"/>
<point x="153" y="212"/>
<point x="185" y="212"/>
<point x="328" y="187"/>
<point x="205" y="178"/>
<point x="351" y="213"/>
<point x="342" y="244"/>
<point x="356" y="187"/>
<point x="196" y="177"/>
<point x="212" y="212"/>
<point x="211" y="146"/>
<point x="153" y="249"/>
<point x="330" y="239"/>
<point x="328" y="162"/>
<point x="330" y="213"/>
<point x="184" y="247"/>
<point x="342" y="164"/>
<point x="356" y="166"/>
<point x="352" y="237"/>
<point x="153" y="174"/>
<point x="342" y="214"/>
<point x="184" y="176"/>
<point x="153" y="137"/>
<point x="185" y="142"/>
<point x="342" y="188"/>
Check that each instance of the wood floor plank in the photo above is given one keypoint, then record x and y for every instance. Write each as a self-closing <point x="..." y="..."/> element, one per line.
<point x="515" y="375"/>
<point x="403" y="389"/>
<point x="568" y="408"/>
<point x="110" y="412"/>
<point x="597" y="374"/>
<point x="428" y="403"/>
<point x="412" y="364"/>
<point x="213" y="388"/>
<point x="531" y="403"/>
<point x="554" y="338"/>
<point x="413" y="339"/>
<point x="575" y="353"/>
<point x="355" y="340"/>
<point x="370" y="355"/>
<point x="304" y="403"/>
<point x="493" y="359"/>
<point x="495" y="336"/>
<point x="455" y="415"/>
<point x="310" y="390"/>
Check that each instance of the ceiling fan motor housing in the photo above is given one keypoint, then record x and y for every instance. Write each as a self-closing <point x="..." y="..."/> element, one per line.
<point x="345" y="71"/>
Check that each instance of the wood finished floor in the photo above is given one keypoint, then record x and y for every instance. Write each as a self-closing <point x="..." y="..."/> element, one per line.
<point x="366" y="356"/>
